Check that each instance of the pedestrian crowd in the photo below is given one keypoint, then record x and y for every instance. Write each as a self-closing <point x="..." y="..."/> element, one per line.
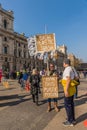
<point x="69" y="79"/>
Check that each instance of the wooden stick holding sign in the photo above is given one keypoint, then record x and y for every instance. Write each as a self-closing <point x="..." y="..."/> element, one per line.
<point x="50" y="86"/>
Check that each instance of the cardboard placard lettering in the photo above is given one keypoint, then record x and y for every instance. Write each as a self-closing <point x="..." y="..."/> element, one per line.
<point x="50" y="86"/>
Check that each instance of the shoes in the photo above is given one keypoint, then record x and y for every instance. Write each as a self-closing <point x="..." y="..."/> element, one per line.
<point x="56" y="109"/>
<point x="67" y="123"/>
<point x="74" y="121"/>
<point x="49" y="109"/>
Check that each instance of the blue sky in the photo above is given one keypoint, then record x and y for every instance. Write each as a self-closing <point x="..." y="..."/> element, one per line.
<point x="66" y="18"/>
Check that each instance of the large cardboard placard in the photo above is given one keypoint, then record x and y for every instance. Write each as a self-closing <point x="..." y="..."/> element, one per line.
<point x="45" y="42"/>
<point x="50" y="86"/>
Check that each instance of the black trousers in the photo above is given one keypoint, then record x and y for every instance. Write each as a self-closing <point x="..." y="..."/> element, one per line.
<point x="35" y="98"/>
<point x="69" y="107"/>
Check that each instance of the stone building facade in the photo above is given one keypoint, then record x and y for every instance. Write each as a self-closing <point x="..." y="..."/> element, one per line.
<point x="14" y="53"/>
<point x="74" y="61"/>
<point x="62" y="54"/>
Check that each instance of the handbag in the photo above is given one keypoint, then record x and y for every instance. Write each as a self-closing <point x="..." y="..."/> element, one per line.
<point x="74" y="82"/>
<point x="27" y="87"/>
<point x="77" y="80"/>
<point x="72" y="88"/>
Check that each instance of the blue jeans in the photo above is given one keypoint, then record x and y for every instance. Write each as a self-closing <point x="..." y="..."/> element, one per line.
<point x="69" y="107"/>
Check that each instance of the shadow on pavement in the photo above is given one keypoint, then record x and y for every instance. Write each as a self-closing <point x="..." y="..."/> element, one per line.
<point x="80" y="101"/>
<point x="11" y="103"/>
<point x="7" y="97"/>
<point x="7" y="89"/>
<point x="81" y="118"/>
<point x="82" y="96"/>
<point x="41" y="102"/>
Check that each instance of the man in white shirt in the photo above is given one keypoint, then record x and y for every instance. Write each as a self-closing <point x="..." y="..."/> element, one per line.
<point x="68" y="75"/>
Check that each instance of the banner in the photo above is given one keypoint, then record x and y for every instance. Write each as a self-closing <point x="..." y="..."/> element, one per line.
<point x="31" y="46"/>
<point x="50" y="86"/>
<point x="45" y="43"/>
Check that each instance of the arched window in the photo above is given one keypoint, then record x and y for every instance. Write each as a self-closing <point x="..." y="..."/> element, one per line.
<point x="5" y="23"/>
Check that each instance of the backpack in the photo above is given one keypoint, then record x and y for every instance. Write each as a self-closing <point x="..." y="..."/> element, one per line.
<point x="76" y="78"/>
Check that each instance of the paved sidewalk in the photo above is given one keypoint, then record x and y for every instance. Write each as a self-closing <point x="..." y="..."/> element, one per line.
<point x="80" y="112"/>
<point x="56" y="122"/>
<point x="11" y="94"/>
<point x="13" y="88"/>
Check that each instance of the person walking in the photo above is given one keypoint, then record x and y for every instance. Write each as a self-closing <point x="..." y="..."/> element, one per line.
<point x="69" y="92"/>
<point x="34" y="83"/>
<point x="51" y="73"/>
<point x="23" y="79"/>
<point x="20" y="80"/>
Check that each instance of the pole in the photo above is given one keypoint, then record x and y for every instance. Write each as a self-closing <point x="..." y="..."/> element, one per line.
<point x="48" y="65"/>
<point x="45" y="29"/>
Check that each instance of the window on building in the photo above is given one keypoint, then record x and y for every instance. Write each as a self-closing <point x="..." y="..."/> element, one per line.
<point x="5" y="24"/>
<point x="19" y="45"/>
<point x="5" y="39"/>
<point x="24" y="54"/>
<point x="19" y="53"/>
<point x="6" y="59"/>
<point x="5" y="50"/>
<point x="15" y="52"/>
